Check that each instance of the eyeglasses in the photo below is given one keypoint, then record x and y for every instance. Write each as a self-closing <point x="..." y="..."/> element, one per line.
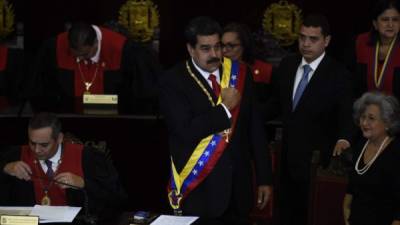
<point x="229" y="46"/>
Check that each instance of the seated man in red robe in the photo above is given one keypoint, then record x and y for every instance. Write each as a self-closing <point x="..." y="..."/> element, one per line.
<point x="49" y="171"/>
<point x="96" y="60"/>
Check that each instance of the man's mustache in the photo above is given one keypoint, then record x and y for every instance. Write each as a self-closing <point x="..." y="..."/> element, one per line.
<point x="213" y="60"/>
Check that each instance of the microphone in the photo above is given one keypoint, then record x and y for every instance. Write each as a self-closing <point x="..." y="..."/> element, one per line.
<point x="86" y="218"/>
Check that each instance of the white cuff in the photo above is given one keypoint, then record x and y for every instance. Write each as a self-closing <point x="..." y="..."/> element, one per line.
<point x="227" y="111"/>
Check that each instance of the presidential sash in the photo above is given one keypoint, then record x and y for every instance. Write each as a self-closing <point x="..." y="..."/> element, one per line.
<point x="209" y="149"/>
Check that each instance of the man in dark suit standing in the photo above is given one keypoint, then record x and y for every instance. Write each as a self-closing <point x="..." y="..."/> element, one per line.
<point x="214" y="131"/>
<point x="313" y="96"/>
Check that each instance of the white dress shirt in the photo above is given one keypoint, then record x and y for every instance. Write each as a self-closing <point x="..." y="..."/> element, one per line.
<point x="314" y="65"/>
<point x="55" y="161"/>
<point x="205" y="75"/>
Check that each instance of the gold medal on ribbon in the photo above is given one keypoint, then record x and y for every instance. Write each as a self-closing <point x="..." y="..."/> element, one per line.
<point x="46" y="200"/>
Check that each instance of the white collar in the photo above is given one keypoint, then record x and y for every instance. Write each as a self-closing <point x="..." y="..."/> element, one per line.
<point x="99" y="36"/>
<point x="56" y="157"/>
<point x="314" y="64"/>
<point x="204" y="73"/>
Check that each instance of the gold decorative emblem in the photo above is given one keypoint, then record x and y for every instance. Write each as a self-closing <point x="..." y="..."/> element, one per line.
<point x="140" y="18"/>
<point x="283" y="21"/>
<point x="6" y="19"/>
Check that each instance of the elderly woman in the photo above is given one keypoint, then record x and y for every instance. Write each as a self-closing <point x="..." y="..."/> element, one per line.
<point x="378" y="51"/>
<point x="373" y="196"/>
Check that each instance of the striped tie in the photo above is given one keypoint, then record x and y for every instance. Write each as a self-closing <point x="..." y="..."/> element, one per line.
<point x="302" y="85"/>
<point x="50" y="172"/>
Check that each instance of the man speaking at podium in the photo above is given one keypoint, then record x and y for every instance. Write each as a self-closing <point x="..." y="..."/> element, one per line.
<point x="49" y="171"/>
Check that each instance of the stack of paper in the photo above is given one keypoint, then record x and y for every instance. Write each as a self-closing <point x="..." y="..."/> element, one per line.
<point x="47" y="214"/>
<point x="52" y="214"/>
<point x="174" y="220"/>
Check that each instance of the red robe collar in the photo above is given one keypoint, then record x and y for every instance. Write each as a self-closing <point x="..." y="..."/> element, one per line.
<point x="71" y="162"/>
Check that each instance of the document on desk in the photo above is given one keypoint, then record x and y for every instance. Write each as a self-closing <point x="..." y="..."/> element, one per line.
<point x="55" y="214"/>
<point x="174" y="220"/>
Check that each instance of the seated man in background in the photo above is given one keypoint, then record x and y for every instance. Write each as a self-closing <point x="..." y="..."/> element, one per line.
<point x="95" y="60"/>
<point x="49" y="171"/>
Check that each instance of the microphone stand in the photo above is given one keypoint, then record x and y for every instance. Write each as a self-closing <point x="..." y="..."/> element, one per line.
<point x="86" y="218"/>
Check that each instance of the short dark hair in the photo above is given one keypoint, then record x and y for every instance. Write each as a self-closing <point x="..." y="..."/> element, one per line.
<point x="380" y="7"/>
<point x="318" y="20"/>
<point x="203" y="26"/>
<point x="246" y="40"/>
<point x="81" y="34"/>
<point x="388" y="106"/>
<point x="46" y="119"/>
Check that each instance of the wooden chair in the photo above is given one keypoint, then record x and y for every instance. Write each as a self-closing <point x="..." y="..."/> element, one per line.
<point x="327" y="190"/>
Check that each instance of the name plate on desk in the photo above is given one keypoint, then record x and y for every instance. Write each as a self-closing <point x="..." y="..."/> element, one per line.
<point x="19" y="220"/>
<point x="100" y="99"/>
<point x="100" y="104"/>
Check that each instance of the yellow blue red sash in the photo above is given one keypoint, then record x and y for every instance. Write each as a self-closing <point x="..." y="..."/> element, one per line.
<point x="209" y="149"/>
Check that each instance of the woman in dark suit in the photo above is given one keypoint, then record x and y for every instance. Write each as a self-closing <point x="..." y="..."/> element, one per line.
<point x="373" y="196"/>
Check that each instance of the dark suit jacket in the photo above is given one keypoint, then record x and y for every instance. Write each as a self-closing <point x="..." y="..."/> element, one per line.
<point x="190" y="117"/>
<point x="322" y="116"/>
<point x="12" y="77"/>
<point x="103" y="189"/>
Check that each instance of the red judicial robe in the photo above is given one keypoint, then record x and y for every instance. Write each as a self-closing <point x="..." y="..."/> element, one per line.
<point x="365" y="54"/>
<point x="124" y="68"/>
<point x="262" y="76"/>
<point x="71" y="161"/>
<point x="102" y="186"/>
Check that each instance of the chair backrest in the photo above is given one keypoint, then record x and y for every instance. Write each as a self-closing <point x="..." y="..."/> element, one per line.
<point x="327" y="190"/>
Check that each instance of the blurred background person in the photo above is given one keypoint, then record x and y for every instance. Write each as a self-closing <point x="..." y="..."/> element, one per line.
<point x="11" y="79"/>
<point x="238" y="44"/>
<point x="377" y="65"/>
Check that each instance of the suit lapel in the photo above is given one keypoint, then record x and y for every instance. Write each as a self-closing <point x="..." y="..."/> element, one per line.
<point x="203" y="80"/>
<point x="315" y="81"/>
<point x="292" y="70"/>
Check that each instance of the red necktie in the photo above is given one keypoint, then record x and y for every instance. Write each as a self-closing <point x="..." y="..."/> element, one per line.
<point x="215" y="86"/>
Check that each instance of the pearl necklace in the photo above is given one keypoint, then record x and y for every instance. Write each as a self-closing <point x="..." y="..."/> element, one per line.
<point x="368" y="165"/>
